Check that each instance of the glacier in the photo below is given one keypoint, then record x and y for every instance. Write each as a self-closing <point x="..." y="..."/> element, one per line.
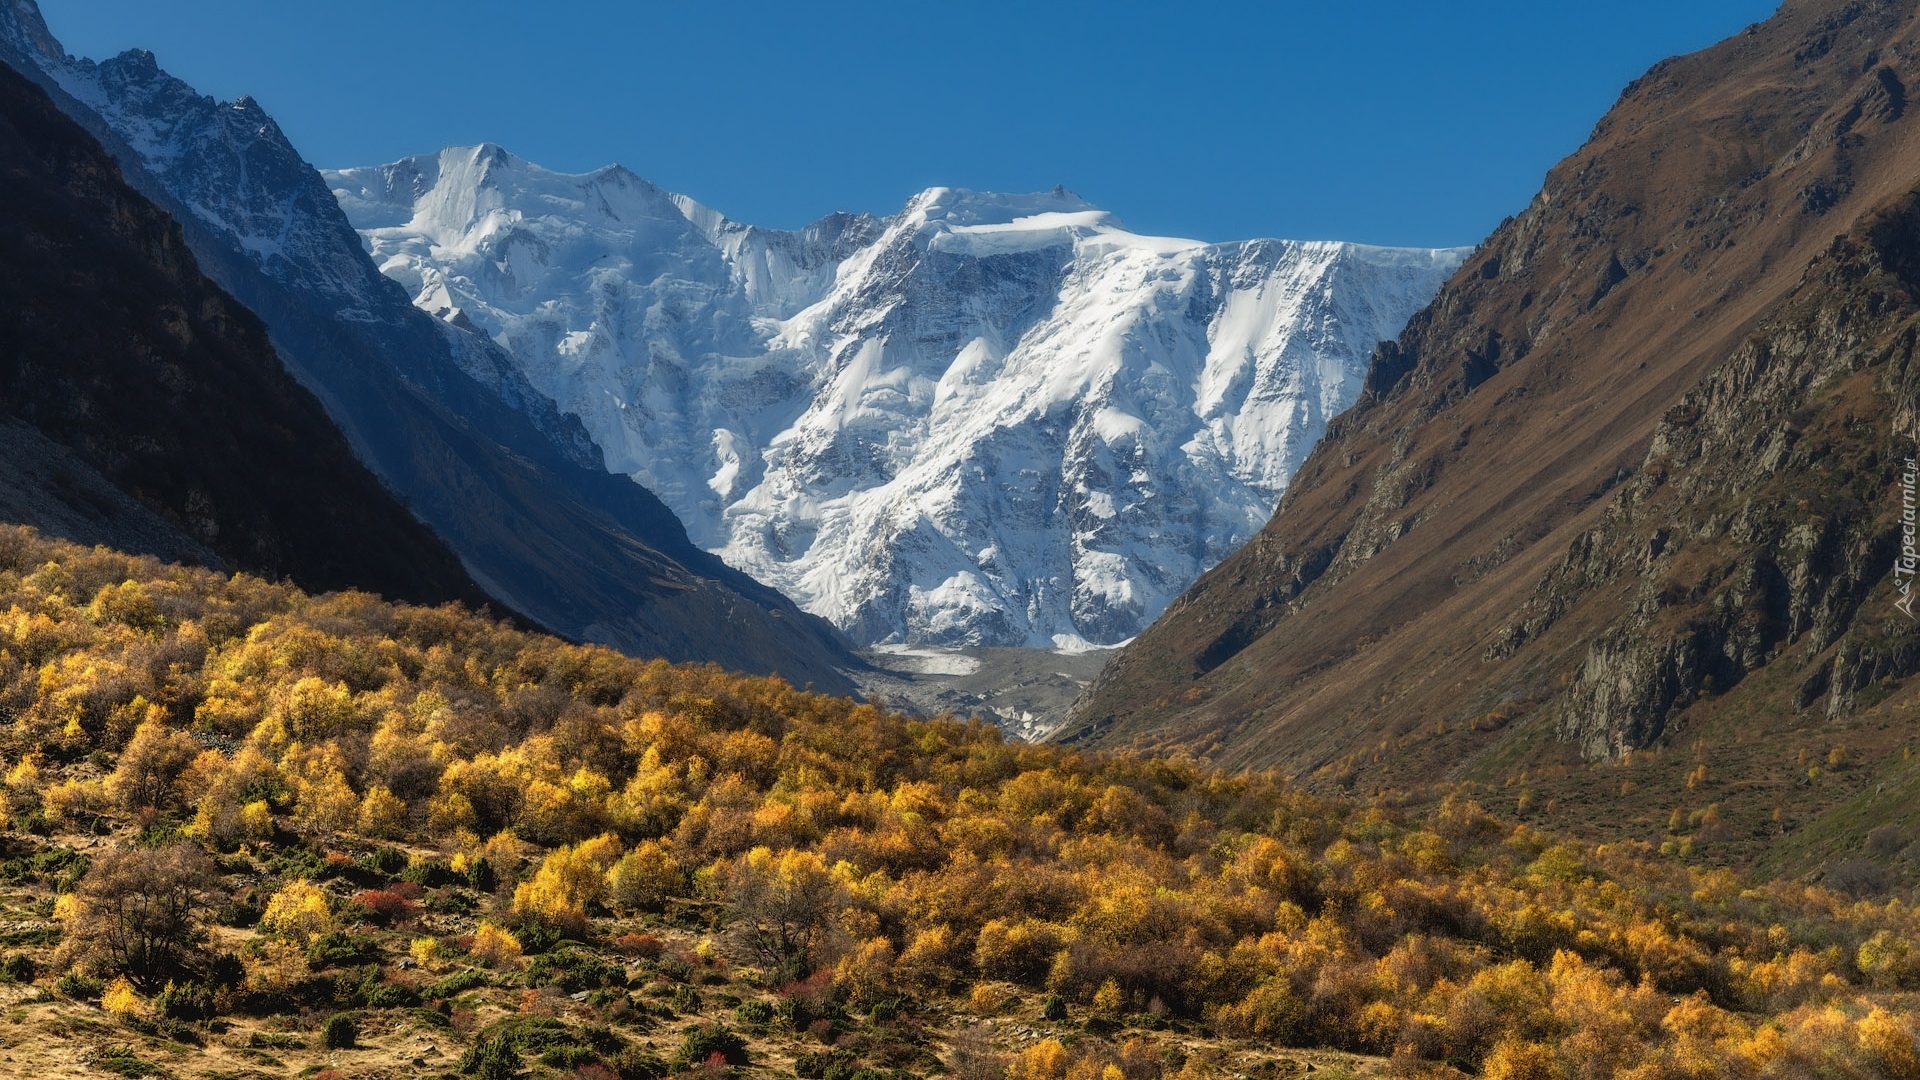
<point x="987" y="420"/>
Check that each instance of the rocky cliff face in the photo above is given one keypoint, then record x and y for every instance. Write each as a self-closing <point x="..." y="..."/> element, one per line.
<point x="141" y="405"/>
<point x="1643" y="446"/>
<point x="440" y="414"/>
<point x="989" y="419"/>
<point x="1765" y="522"/>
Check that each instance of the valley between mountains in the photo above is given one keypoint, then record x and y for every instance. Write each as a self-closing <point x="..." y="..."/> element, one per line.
<point x="461" y="619"/>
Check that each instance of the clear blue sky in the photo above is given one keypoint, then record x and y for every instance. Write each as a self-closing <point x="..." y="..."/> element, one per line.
<point x="1389" y="121"/>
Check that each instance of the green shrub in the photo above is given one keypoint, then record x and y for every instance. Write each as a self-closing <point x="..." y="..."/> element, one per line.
<point x="18" y="968"/>
<point x="339" y="1032"/>
<point x="537" y="937"/>
<point x="430" y="873"/>
<point x="491" y="1059"/>
<point x="572" y="971"/>
<point x="826" y="1065"/>
<point x="480" y="876"/>
<point x="341" y="949"/>
<point x="242" y="911"/>
<point x="703" y="1042"/>
<point x="754" y="1012"/>
<point x="569" y="1056"/>
<point x="79" y="987"/>
<point x="121" y="1061"/>
<point x="50" y="864"/>
<point x="457" y="983"/>
<point x="1053" y="1008"/>
<point x="634" y="1063"/>
<point x="294" y="863"/>
<point x="497" y="1052"/>
<point x="189" y="1001"/>
<point x="386" y="861"/>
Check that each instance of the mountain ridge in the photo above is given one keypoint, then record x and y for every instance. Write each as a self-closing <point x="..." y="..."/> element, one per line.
<point x="1442" y="597"/>
<point x="506" y="479"/>
<point x="142" y="405"/>
<point x="991" y="418"/>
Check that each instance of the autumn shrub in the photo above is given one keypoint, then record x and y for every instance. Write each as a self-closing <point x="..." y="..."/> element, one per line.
<point x="384" y="906"/>
<point x="494" y="946"/>
<point x="300" y="911"/>
<point x="849" y="857"/>
<point x="1272" y="1013"/>
<point x="121" y="999"/>
<point x="641" y="946"/>
<point x="139" y="911"/>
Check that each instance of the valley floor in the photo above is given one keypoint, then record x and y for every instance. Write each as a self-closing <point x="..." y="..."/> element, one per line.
<point x="1023" y="692"/>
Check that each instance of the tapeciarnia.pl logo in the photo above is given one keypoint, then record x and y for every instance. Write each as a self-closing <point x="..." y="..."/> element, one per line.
<point x="1909" y="560"/>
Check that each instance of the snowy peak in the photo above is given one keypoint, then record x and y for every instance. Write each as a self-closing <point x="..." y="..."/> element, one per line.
<point x="961" y="208"/>
<point x="22" y="27"/>
<point x="443" y="414"/>
<point x="977" y="223"/>
<point x="995" y="419"/>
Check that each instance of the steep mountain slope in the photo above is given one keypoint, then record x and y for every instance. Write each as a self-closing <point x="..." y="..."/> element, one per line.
<point x="140" y="404"/>
<point x="514" y="487"/>
<point x="987" y="420"/>
<point x="1642" y="451"/>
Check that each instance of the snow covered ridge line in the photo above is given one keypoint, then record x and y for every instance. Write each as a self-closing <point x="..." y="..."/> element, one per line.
<point x="986" y="420"/>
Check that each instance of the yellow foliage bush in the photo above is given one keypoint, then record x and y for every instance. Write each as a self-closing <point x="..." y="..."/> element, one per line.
<point x="493" y="945"/>
<point x="1044" y="1060"/>
<point x="299" y="911"/>
<point x="121" y="999"/>
<point x="568" y="880"/>
<point x="645" y="878"/>
<point x="900" y="855"/>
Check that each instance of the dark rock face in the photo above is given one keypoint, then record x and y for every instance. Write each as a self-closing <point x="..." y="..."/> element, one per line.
<point x="440" y="414"/>
<point x="1646" y="443"/>
<point x="148" y="408"/>
<point x="1760" y="518"/>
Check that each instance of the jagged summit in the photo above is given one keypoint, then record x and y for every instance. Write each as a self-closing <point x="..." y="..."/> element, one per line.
<point x="996" y="419"/>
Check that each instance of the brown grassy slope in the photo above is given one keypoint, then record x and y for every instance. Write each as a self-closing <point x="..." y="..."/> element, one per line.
<point x="1493" y="431"/>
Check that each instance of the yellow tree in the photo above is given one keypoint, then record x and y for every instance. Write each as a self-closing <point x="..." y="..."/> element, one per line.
<point x="152" y="761"/>
<point x="568" y="880"/>
<point x="299" y="911"/>
<point x="783" y="899"/>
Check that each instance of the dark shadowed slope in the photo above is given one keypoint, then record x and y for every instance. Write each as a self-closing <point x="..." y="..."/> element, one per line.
<point x="511" y="485"/>
<point x="138" y="402"/>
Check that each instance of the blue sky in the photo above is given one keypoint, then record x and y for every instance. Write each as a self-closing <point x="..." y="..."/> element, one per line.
<point x="1385" y="122"/>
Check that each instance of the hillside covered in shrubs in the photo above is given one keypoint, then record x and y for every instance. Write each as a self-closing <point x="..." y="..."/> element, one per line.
<point x="254" y="832"/>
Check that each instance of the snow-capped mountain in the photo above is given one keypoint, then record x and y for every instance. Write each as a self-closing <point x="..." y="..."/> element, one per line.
<point x="987" y="420"/>
<point x="442" y="415"/>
